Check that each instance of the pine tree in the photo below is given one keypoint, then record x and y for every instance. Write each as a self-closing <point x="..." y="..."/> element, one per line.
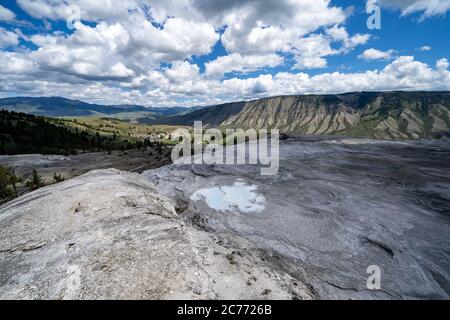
<point x="58" y="178"/>
<point x="36" y="181"/>
<point x="5" y="175"/>
<point x="13" y="180"/>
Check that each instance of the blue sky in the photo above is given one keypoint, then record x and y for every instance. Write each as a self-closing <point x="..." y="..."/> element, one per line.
<point x="200" y="52"/>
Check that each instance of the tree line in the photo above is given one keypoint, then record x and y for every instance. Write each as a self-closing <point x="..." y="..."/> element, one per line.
<point x="21" y="133"/>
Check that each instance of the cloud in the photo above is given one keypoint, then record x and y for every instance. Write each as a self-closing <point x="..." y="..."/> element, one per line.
<point x="241" y="64"/>
<point x="89" y="53"/>
<point x="310" y="52"/>
<point x="178" y="39"/>
<point x="6" y="14"/>
<point x="90" y="10"/>
<point x="258" y="27"/>
<point x="182" y="81"/>
<point x="340" y="34"/>
<point x="8" y="38"/>
<point x="152" y="52"/>
<point x="374" y="54"/>
<point x="172" y="39"/>
<point x="182" y="71"/>
<point x="117" y="51"/>
<point x="404" y="73"/>
<point x="428" y="8"/>
<point x="131" y="37"/>
<point x="425" y="48"/>
<point x="442" y="64"/>
<point x="16" y="66"/>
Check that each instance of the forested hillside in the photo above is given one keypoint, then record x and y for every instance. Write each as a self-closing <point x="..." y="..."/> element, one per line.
<point x="22" y="133"/>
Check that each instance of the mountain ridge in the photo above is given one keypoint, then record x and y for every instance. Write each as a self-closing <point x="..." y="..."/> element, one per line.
<point x="63" y="107"/>
<point x="393" y="115"/>
<point x="397" y="115"/>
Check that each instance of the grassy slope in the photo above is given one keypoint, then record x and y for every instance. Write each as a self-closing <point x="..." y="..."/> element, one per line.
<point x="109" y="126"/>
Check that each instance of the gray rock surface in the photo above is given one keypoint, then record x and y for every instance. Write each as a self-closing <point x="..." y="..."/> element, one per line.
<point x="110" y="235"/>
<point x="199" y="232"/>
<point x="335" y="208"/>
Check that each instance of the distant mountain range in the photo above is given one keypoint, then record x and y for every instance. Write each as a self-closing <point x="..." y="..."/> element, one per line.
<point x="381" y="115"/>
<point x="61" y="107"/>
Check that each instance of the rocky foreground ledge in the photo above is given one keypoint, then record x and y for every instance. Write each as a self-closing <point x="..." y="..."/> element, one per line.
<point x="110" y="235"/>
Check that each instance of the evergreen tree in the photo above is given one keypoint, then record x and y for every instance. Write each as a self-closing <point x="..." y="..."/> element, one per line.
<point x="36" y="181"/>
<point x="5" y="176"/>
<point x="13" y="179"/>
<point x="58" y="178"/>
<point x="8" y="178"/>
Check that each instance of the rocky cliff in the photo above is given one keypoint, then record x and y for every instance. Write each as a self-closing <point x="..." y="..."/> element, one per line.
<point x="210" y="116"/>
<point x="390" y="115"/>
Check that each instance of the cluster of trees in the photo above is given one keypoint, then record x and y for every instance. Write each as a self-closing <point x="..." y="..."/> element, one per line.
<point x="10" y="183"/>
<point x="35" y="182"/>
<point x="21" y="133"/>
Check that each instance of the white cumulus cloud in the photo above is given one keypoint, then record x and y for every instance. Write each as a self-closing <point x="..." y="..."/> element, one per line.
<point x="6" y="14"/>
<point x="425" y="48"/>
<point x="236" y="62"/>
<point x="427" y="8"/>
<point x="8" y="38"/>
<point x="157" y="52"/>
<point x="374" y="54"/>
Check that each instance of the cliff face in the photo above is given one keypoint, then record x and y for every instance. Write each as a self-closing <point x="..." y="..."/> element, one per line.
<point x="390" y="115"/>
<point x="311" y="114"/>
<point x="211" y="116"/>
<point x="397" y="115"/>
